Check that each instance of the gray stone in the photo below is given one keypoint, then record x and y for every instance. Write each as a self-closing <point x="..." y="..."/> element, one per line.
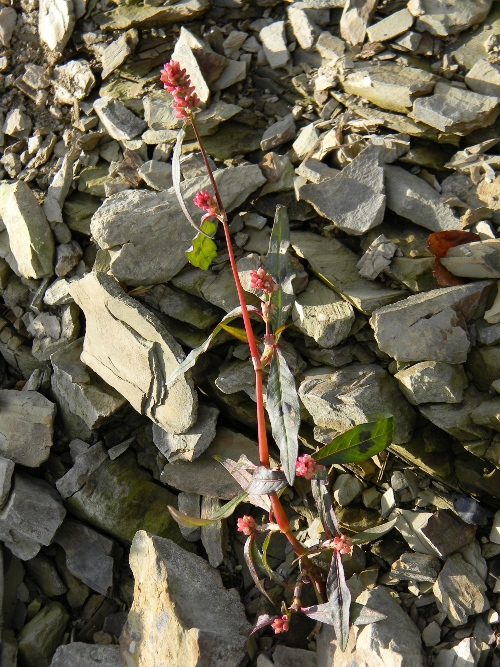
<point x="120" y="123"/>
<point x="416" y="567"/>
<point x="185" y="55"/>
<point x="118" y="51"/>
<point x="329" y="46"/>
<point x="304" y="29"/>
<point x="284" y="656"/>
<point x="189" y="503"/>
<point x="341" y="399"/>
<point x="442" y="19"/>
<point x="26" y="426"/>
<point x="158" y="175"/>
<point x="346" y="488"/>
<point x="214" y="537"/>
<point x="430" y="326"/>
<point x="44" y="574"/>
<point x="135" y="355"/>
<point x="334" y="264"/>
<point x="388" y="85"/>
<point x="432" y="382"/>
<point x="30" y="237"/>
<point x="431" y="634"/>
<point x="182" y="306"/>
<point x="86" y="462"/>
<point x="6" y="470"/>
<point x="125" y="17"/>
<point x="488" y="414"/>
<point x="460" y="591"/>
<point x="179" y="595"/>
<point x="411" y="197"/>
<point x="8" y="18"/>
<point x="320" y="313"/>
<point x="375" y="644"/>
<point x="474" y="260"/>
<point x="355" y="199"/>
<point x="377" y="257"/>
<point x="354" y="20"/>
<point x="31" y="516"/>
<point x="469" y="651"/>
<point x="41" y="636"/>
<point x="392" y="26"/>
<point x="79" y="654"/>
<point x="145" y="249"/>
<point x="387" y="503"/>
<point x="90" y="556"/>
<point x="278" y="133"/>
<point x="456" y="418"/>
<point x="315" y="171"/>
<point x="188" y="446"/>
<point x="452" y="109"/>
<point x="234" y="71"/>
<point x="58" y="191"/>
<point x="306" y="141"/>
<point x="73" y="81"/>
<point x="67" y="257"/>
<point x="273" y="40"/>
<point x="495" y="529"/>
<point x="484" y="78"/>
<point x="17" y="124"/>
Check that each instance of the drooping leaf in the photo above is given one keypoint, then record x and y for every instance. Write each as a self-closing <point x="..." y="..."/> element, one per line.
<point x="374" y="533"/>
<point x="262" y="621"/>
<point x="363" y="615"/>
<point x="279" y="265"/>
<point x="176" y="177"/>
<point x="252" y="554"/>
<point x="237" y="332"/>
<point x="439" y="243"/>
<point x="284" y="412"/>
<point x="323" y="500"/>
<point x="266" y="481"/>
<point x="204" y="249"/>
<point x="242" y="471"/>
<point x="191" y="358"/>
<point x="270" y="572"/>
<point x="358" y="444"/>
<point x="222" y="513"/>
<point x="444" y="278"/>
<point x="339" y="598"/>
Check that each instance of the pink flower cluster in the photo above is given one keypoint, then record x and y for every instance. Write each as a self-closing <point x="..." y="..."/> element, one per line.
<point x="178" y="83"/>
<point x="207" y="202"/>
<point x="281" y="624"/>
<point x="246" y="525"/>
<point x="262" y="281"/>
<point x="342" y="543"/>
<point x="305" y="466"/>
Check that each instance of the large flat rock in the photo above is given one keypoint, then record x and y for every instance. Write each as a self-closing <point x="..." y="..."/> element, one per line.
<point x="132" y="16"/>
<point x="132" y="351"/>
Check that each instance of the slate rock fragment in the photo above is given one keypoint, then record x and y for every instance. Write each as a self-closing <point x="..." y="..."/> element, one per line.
<point x="460" y="591"/>
<point x="78" y="654"/>
<point x="40" y="637"/>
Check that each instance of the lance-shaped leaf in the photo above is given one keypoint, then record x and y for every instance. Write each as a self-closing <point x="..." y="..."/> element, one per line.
<point x="358" y="444"/>
<point x="191" y="358"/>
<point x="279" y="265"/>
<point x="237" y="332"/>
<point x="242" y="471"/>
<point x="323" y="500"/>
<point x="222" y="513"/>
<point x="252" y="555"/>
<point x="203" y="249"/>
<point x="363" y="615"/>
<point x="266" y="481"/>
<point x="262" y="621"/>
<point x="374" y="533"/>
<point x="284" y="413"/>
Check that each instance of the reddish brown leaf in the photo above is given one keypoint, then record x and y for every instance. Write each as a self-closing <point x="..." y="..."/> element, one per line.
<point x="443" y="277"/>
<point x="440" y="242"/>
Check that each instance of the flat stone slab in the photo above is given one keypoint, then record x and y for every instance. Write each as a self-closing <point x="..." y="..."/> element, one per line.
<point x="120" y="123"/>
<point x="79" y="654"/>
<point x="442" y="18"/>
<point x="132" y="351"/>
<point x="474" y="260"/>
<point x="133" y="16"/>
<point x="433" y="382"/>
<point x="335" y="265"/>
<point x="392" y="26"/>
<point x="431" y="326"/>
<point x="460" y="591"/>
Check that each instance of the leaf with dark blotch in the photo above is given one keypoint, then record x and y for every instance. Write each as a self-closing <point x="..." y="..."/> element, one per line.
<point x="284" y="412"/>
<point x="266" y="481"/>
<point x="204" y="249"/>
<point x="242" y="471"/>
<point x="323" y="500"/>
<point x="191" y="358"/>
<point x="374" y="533"/>
<point x="222" y="513"/>
<point x="279" y="265"/>
<point x="252" y="554"/>
<point x="262" y="621"/>
<point x="444" y="278"/>
<point x="440" y="242"/>
<point x="358" y="444"/>
<point x="362" y="615"/>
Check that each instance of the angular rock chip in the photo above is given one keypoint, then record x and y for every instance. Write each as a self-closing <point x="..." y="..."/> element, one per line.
<point x="474" y="260"/>
<point x="278" y="133"/>
<point x="56" y="20"/>
<point x="460" y="591"/>
<point x="131" y="351"/>
<point x="416" y="567"/>
<point x="147" y="233"/>
<point x="31" y="516"/>
<point x="354" y="20"/>
<point x="26" y="426"/>
<point x="120" y="123"/>
<point x="431" y="326"/>
<point x="442" y="18"/>
<point x="78" y="654"/>
<point x="273" y="40"/>
<point x="355" y="199"/>
<point x="6" y="469"/>
<point x="484" y="78"/>
<point x="411" y="197"/>
<point x="118" y="51"/>
<point x="30" y="237"/>
<point x="138" y="16"/>
<point x="334" y="264"/>
<point x="392" y="26"/>
<point x="177" y="594"/>
<point x="432" y="382"/>
<point x="456" y="418"/>
<point x="188" y="446"/>
<point x="40" y="637"/>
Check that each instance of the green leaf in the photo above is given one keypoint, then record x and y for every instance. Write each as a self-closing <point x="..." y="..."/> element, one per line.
<point x="252" y="555"/>
<point x="237" y="332"/>
<point x="191" y="358"/>
<point x="374" y="533"/>
<point x="284" y="413"/>
<point x="222" y="513"/>
<point x="204" y="249"/>
<point x="279" y="265"/>
<point x="358" y="444"/>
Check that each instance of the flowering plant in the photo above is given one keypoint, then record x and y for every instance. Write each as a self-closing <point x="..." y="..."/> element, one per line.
<point x="262" y="485"/>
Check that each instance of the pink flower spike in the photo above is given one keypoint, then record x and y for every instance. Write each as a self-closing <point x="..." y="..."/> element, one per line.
<point x="246" y="525"/>
<point x="177" y="82"/>
<point x="281" y="624"/>
<point x="207" y="202"/>
<point x="305" y="466"/>
<point x="342" y="544"/>
<point x="262" y="281"/>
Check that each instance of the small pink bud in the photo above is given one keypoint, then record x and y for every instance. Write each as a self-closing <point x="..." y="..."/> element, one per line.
<point x="342" y="544"/>
<point x="305" y="466"/>
<point x="177" y="82"/>
<point x="262" y="281"/>
<point x="246" y="525"/>
<point x="207" y="202"/>
<point x="281" y="624"/>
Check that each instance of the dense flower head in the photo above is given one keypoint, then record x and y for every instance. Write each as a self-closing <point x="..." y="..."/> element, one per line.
<point x="305" y="466"/>
<point x="246" y="525"/>
<point x="178" y="83"/>
<point x="262" y="281"/>
<point x="206" y="202"/>
<point x="342" y="543"/>
<point x="281" y="624"/>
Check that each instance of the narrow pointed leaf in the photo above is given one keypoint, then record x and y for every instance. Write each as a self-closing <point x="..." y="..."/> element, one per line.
<point x="262" y="621"/>
<point x="191" y="358"/>
<point x="204" y="249"/>
<point x="238" y="333"/>
<point x="363" y="615"/>
<point x="251" y="554"/>
<point x="266" y="481"/>
<point x="222" y="513"/>
<point x="242" y="471"/>
<point x="339" y="598"/>
<point x="323" y="502"/>
<point x="284" y="413"/>
<point x="279" y="265"/>
<point x="176" y="177"/>
<point x="374" y="533"/>
<point x="270" y="572"/>
<point x="358" y="444"/>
